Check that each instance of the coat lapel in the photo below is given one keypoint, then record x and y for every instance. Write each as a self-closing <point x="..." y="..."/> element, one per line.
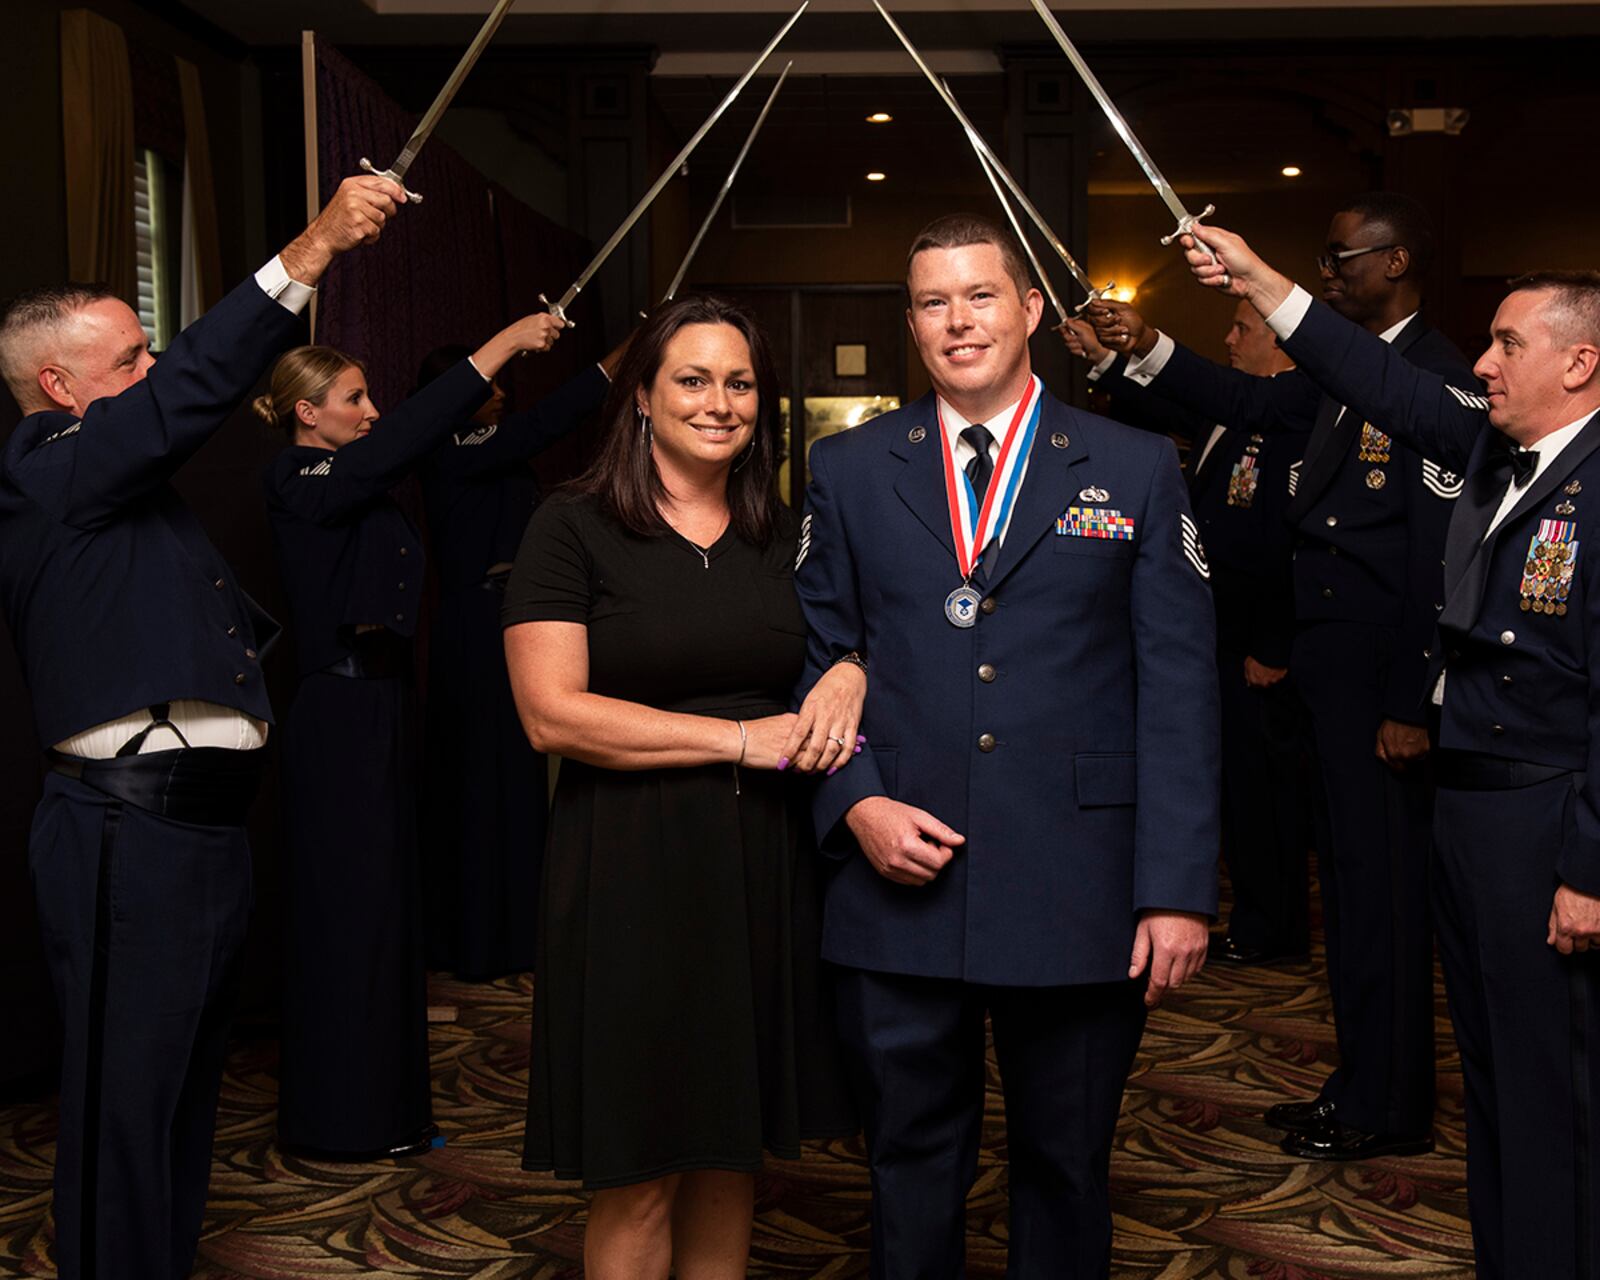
<point x="1465" y="544"/>
<point x="1050" y="486"/>
<point x="920" y="484"/>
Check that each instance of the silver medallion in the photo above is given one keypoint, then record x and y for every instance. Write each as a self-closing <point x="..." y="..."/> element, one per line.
<point x="961" y="606"/>
<point x="1058" y="440"/>
<point x="917" y="435"/>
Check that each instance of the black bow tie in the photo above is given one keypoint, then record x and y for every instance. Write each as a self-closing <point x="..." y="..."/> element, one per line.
<point x="1523" y="463"/>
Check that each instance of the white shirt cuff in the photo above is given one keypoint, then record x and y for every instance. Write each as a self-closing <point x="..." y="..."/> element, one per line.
<point x="478" y="371"/>
<point x="1145" y="369"/>
<point x="602" y="369"/>
<point x="1106" y="361"/>
<point x="1290" y="312"/>
<point x="291" y="295"/>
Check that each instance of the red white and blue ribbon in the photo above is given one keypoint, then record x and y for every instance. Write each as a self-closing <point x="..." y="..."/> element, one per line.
<point x="972" y="526"/>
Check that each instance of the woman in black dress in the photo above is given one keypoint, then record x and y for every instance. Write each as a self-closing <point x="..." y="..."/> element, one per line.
<point x="680" y="1025"/>
<point x="354" y="1055"/>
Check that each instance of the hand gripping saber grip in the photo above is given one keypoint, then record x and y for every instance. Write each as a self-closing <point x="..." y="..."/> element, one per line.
<point x="368" y="167"/>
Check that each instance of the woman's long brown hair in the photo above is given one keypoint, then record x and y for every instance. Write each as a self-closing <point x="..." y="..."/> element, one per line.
<point x="623" y="475"/>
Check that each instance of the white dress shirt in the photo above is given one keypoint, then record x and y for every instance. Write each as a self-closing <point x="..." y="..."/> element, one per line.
<point x="963" y="453"/>
<point x="202" y="724"/>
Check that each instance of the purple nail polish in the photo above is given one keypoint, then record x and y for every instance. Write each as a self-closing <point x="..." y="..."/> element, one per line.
<point x="858" y="749"/>
<point x="833" y="771"/>
<point x="861" y="737"/>
<point x="783" y="762"/>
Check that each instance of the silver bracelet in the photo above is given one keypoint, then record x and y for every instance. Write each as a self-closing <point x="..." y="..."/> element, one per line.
<point x="744" y="741"/>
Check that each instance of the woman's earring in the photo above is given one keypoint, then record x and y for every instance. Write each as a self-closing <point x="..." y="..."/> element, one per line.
<point x="644" y="426"/>
<point x="746" y="457"/>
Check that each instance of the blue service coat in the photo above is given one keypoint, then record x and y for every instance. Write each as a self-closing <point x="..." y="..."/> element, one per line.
<point x="349" y="555"/>
<point x="1241" y="515"/>
<point x="1370" y="532"/>
<point x="1071" y="734"/>
<point x="479" y="489"/>
<point x="1520" y="684"/>
<point x="114" y="594"/>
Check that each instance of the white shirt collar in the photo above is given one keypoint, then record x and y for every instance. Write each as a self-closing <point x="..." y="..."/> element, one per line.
<point x="955" y="423"/>
<point x="1393" y="331"/>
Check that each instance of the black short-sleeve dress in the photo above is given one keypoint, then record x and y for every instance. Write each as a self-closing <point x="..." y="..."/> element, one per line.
<point x="680" y="1019"/>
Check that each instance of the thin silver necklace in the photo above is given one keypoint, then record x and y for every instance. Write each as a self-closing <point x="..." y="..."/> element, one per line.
<point x="704" y="552"/>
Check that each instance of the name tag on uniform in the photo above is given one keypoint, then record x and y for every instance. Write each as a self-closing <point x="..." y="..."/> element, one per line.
<point x="1547" y="573"/>
<point x="1094" y="522"/>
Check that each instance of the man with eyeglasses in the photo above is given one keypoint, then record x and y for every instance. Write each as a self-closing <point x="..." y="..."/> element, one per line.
<point x="1513" y="676"/>
<point x="1369" y="514"/>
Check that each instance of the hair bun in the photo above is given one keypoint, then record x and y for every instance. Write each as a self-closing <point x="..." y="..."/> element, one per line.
<point x="265" y="410"/>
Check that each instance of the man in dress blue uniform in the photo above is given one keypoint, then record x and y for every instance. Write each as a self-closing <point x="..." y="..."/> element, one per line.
<point x="1514" y="683"/>
<point x="142" y="655"/>
<point x="1239" y="483"/>
<point x="1029" y="588"/>
<point x="1369" y="519"/>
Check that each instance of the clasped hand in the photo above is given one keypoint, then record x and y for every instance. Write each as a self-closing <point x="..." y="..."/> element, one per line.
<point x="822" y="737"/>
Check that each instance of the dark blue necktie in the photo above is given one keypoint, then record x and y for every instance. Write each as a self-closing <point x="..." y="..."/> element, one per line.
<point x="980" y="468"/>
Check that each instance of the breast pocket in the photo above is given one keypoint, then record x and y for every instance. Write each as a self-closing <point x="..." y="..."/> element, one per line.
<point x="1101" y="548"/>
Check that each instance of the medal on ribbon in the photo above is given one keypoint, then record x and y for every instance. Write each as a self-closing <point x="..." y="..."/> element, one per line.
<point x="1374" y="446"/>
<point x="1242" y="482"/>
<point x="973" y="526"/>
<point x="1547" y="572"/>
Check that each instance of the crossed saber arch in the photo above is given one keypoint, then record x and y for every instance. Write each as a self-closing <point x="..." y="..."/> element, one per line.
<point x="997" y="173"/>
<point x="993" y="169"/>
<point x="396" y="172"/>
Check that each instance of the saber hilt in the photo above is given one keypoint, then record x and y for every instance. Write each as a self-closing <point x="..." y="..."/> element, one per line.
<point x="1094" y="296"/>
<point x="398" y="179"/>
<point x="1186" y="227"/>
<point x="558" y="310"/>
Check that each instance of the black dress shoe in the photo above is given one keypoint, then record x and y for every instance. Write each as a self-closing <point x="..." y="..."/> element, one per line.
<point x="1225" y="949"/>
<point x="1331" y="1140"/>
<point x="1297" y="1117"/>
<point x="419" y="1144"/>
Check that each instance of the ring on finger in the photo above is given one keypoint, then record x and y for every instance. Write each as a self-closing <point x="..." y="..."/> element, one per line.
<point x="840" y="741"/>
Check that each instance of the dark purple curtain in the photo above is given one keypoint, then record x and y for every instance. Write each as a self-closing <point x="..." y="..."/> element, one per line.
<point x="434" y="277"/>
<point x="540" y="257"/>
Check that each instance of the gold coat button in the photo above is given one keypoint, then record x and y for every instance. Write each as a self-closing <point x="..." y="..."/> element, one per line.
<point x="986" y="673"/>
<point x="239" y="678"/>
<point x="986" y="742"/>
<point x="1508" y="637"/>
<point x="988" y="605"/>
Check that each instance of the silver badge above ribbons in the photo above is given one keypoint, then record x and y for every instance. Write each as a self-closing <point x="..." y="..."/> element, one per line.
<point x="1093" y="494"/>
<point x="917" y="435"/>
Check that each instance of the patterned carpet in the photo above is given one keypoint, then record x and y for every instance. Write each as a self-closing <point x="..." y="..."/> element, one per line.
<point x="1200" y="1187"/>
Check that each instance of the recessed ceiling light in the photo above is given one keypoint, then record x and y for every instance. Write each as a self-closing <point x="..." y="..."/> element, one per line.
<point x="879" y="117"/>
<point x="875" y="176"/>
<point x="1290" y="171"/>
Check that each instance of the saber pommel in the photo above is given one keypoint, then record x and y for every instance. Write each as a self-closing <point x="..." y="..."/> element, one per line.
<point x="398" y="179"/>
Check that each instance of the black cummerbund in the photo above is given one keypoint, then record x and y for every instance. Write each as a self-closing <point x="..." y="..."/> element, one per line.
<point x="207" y="786"/>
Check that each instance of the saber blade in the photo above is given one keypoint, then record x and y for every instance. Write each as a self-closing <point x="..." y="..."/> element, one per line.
<point x="1169" y="197"/>
<point x="987" y="155"/>
<point x="559" y="307"/>
<point x="727" y="186"/>
<point x="396" y="172"/>
<point x="1016" y="226"/>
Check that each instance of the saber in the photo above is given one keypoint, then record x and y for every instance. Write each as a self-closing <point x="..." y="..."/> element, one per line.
<point x="727" y="186"/>
<point x="993" y="168"/>
<point x="1022" y="238"/>
<point x="559" y="307"/>
<point x="396" y="172"/>
<point x="1169" y="197"/>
